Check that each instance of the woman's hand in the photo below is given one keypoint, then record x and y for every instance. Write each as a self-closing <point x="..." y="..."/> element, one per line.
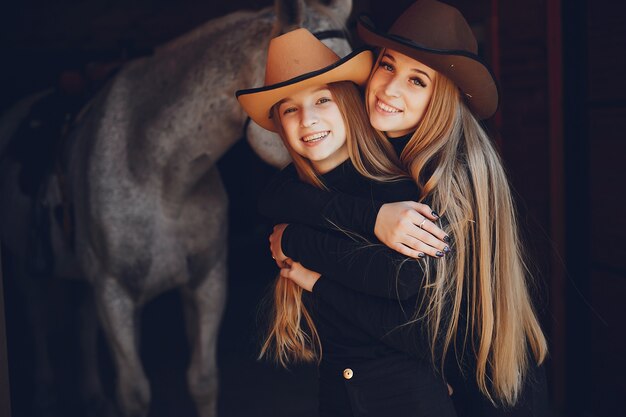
<point x="302" y="277"/>
<point x="407" y="228"/>
<point x="275" y="244"/>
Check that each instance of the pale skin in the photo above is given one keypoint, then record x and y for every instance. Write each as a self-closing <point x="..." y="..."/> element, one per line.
<point x="314" y="127"/>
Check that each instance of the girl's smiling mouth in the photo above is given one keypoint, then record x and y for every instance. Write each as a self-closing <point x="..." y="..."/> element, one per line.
<point x="315" y="137"/>
<point x="386" y="108"/>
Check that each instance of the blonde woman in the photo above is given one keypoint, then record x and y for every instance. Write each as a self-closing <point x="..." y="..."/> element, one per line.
<point x="426" y="95"/>
<point x="311" y="100"/>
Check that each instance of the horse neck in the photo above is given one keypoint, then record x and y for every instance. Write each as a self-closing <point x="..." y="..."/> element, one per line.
<point x="184" y="115"/>
<point x="220" y="57"/>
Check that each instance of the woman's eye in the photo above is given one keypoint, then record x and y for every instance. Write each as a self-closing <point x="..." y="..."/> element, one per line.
<point x="386" y="66"/>
<point x="323" y="100"/>
<point x="418" y="82"/>
<point x="289" y="110"/>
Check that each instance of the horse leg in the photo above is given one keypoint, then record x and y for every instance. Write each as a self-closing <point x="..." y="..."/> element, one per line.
<point x="119" y="318"/>
<point x="204" y="306"/>
<point x="95" y="402"/>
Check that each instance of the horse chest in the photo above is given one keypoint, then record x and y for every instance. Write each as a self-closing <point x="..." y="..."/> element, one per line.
<point x="151" y="246"/>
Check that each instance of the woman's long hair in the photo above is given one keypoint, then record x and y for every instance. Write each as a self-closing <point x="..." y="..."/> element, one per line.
<point x="288" y="341"/>
<point x="477" y="299"/>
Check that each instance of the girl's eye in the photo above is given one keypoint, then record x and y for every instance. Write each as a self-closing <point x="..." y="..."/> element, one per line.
<point x="418" y="82"/>
<point x="289" y="110"/>
<point x="386" y="66"/>
<point x="323" y="100"/>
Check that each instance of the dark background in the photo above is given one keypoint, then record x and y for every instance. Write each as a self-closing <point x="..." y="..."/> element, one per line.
<point x="560" y="129"/>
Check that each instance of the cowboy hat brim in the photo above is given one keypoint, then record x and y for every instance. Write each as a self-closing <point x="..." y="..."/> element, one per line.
<point x="257" y="102"/>
<point x="465" y="69"/>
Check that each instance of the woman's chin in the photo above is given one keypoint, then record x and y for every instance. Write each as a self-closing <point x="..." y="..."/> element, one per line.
<point x="383" y="125"/>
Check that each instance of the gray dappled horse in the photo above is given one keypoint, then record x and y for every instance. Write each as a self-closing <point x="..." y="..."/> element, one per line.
<point x="150" y="208"/>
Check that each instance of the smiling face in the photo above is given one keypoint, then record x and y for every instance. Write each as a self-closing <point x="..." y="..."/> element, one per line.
<point x="314" y="127"/>
<point x="398" y="93"/>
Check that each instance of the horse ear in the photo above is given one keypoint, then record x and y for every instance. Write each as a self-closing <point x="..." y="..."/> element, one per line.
<point x="341" y="9"/>
<point x="290" y="15"/>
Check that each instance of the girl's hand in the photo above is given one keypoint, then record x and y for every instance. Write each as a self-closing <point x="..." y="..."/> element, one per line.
<point x="304" y="278"/>
<point x="275" y="244"/>
<point x="406" y="227"/>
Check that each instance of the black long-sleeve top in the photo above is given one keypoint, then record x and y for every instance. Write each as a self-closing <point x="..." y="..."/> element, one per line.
<point x="346" y="345"/>
<point x="290" y="200"/>
<point x="332" y="252"/>
<point x="346" y="267"/>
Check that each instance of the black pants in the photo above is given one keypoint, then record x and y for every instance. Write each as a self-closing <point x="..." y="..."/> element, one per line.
<point x="395" y="386"/>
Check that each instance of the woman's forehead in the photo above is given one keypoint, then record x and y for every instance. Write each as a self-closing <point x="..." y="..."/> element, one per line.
<point x="406" y="61"/>
<point x="305" y="92"/>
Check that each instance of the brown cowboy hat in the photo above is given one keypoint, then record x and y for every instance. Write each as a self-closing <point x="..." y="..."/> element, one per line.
<point x="298" y="60"/>
<point x="438" y="36"/>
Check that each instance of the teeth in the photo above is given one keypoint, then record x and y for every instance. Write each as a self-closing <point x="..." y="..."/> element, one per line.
<point x="316" y="136"/>
<point x="386" y="108"/>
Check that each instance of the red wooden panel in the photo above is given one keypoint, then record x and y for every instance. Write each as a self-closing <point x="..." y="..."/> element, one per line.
<point x="525" y="113"/>
<point x="524" y="100"/>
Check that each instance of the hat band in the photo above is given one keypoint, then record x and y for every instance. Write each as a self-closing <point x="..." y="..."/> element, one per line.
<point x="330" y="34"/>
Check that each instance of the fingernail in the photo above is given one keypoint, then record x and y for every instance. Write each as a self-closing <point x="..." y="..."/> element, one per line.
<point x="439" y="253"/>
<point x="446" y="239"/>
<point x="434" y="213"/>
<point x="446" y="250"/>
<point x="421" y="255"/>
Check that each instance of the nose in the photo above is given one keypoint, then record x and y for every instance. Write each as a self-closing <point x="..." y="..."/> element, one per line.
<point x="309" y="117"/>
<point x="392" y="88"/>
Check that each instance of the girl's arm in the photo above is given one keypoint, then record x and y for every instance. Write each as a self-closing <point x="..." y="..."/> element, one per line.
<point x="370" y="268"/>
<point x="382" y="319"/>
<point x="406" y="227"/>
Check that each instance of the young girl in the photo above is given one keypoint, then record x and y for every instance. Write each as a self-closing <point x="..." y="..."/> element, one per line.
<point x="426" y="93"/>
<point x="311" y="100"/>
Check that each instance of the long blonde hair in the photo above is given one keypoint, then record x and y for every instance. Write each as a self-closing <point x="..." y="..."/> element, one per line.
<point x="288" y="341"/>
<point x="459" y="172"/>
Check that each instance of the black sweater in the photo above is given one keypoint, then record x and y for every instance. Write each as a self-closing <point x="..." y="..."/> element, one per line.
<point x="359" y="279"/>
<point x="355" y="264"/>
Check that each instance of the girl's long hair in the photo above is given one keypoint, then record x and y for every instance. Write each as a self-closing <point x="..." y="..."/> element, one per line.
<point x="477" y="300"/>
<point x="292" y="336"/>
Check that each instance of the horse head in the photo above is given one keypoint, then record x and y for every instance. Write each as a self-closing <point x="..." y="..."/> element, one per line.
<point x="327" y="22"/>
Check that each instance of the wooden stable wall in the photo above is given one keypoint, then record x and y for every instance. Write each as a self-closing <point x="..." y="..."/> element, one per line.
<point x="563" y="124"/>
<point x="595" y="126"/>
<point x="530" y="74"/>
<point x="527" y="152"/>
<point x="606" y="112"/>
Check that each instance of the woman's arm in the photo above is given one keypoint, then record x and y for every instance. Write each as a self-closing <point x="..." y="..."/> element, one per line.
<point x="382" y="319"/>
<point x="289" y="200"/>
<point x="406" y="227"/>
<point x="370" y="268"/>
